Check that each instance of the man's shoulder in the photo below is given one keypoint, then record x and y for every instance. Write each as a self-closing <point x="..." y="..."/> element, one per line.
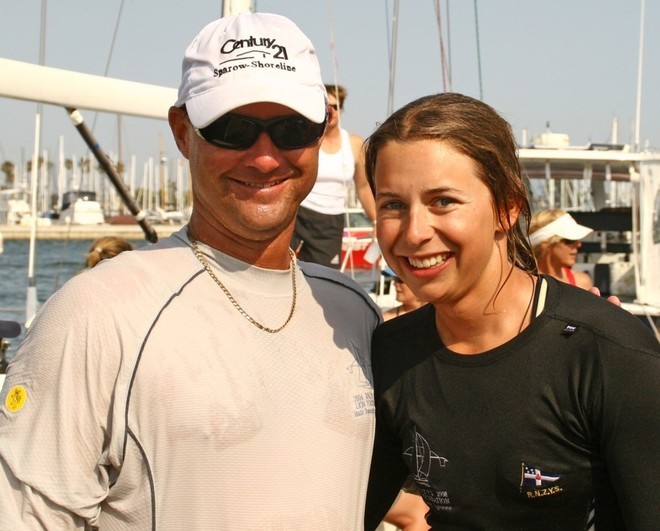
<point x="354" y="137"/>
<point x="152" y="259"/>
<point x="319" y="275"/>
<point x="356" y="140"/>
<point x="323" y="273"/>
<point x="163" y="266"/>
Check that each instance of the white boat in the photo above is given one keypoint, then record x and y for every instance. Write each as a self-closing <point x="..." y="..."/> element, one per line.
<point x="14" y="208"/>
<point x="81" y="208"/>
<point x="615" y="190"/>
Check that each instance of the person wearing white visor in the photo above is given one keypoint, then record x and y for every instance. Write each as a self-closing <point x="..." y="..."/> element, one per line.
<point x="555" y="237"/>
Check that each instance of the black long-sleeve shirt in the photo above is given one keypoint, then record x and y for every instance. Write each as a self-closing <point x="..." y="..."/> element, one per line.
<point x="533" y="434"/>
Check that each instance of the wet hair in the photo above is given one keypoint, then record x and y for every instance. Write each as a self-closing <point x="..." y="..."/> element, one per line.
<point x="106" y="247"/>
<point x="476" y="130"/>
<point x="338" y="92"/>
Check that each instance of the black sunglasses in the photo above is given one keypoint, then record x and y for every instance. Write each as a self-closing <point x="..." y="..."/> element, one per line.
<point x="234" y="131"/>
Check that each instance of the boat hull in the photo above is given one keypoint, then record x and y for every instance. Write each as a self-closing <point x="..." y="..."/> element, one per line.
<point x="354" y="247"/>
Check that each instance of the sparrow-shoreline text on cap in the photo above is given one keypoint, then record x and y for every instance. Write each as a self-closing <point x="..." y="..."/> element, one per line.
<point x="250" y="58"/>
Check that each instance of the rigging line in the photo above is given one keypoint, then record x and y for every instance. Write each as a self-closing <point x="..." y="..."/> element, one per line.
<point x="114" y="39"/>
<point x="448" y="25"/>
<point x="476" y="26"/>
<point x="333" y="42"/>
<point x="640" y="64"/>
<point x="387" y="31"/>
<point x="335" y="81"/>
<point x="42" y="33"/>
<point x="395" y="30"/>
<point x="107" y="64"/>
<point x="443" y="62"/>
<point x="333" y="52"/>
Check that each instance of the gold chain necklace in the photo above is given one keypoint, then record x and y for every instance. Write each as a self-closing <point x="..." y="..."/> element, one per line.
<point x="198" y="254"/>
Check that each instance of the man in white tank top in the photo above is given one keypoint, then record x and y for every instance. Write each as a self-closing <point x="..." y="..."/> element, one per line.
<point x="320" y="223"/>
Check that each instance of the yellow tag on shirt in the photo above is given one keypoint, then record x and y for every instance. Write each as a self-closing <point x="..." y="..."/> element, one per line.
<point x="16" y="398"/>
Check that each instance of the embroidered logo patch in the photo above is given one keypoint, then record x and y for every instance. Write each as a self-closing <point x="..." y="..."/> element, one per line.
<point x="426" y="467"/>
<point x="16" y="398"/>
<point x="424" y="458"/>
<point x="537" y="484"/>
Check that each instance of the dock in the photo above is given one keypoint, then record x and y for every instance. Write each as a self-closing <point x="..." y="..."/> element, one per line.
<point x="83" y="232"/>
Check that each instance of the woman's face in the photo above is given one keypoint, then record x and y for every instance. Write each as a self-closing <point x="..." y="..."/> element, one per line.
<point x="564" y="252"/>
<point x="404" y="294"/>
<point x="436" y="224"/>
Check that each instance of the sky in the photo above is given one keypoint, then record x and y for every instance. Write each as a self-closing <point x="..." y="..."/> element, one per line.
<point x="570" y="65"/>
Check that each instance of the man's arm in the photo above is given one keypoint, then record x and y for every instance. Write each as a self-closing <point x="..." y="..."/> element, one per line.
<point x="408" y="512"/>
<point x="54" y="418"/>
<point x="360" y="177"/>
<point x="387" y="476"/>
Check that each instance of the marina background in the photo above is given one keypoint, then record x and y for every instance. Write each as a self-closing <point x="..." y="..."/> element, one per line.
<point x="571" y="67"/>
<point x="56" y="262"/>
<point x="570" y="64"/>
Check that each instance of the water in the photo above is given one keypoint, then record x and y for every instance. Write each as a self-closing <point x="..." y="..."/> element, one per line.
<point x="56" y="261"/>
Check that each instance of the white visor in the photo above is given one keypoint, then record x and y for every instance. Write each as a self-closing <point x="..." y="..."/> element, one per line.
<point x="564" y="227"/>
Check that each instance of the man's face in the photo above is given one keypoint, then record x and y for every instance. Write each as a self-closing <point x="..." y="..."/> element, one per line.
<point x="333" y="111"/>
<point x="247" y="198"/>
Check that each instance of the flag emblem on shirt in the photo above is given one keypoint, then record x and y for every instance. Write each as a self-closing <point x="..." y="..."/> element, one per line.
<point x="532" y="476"/>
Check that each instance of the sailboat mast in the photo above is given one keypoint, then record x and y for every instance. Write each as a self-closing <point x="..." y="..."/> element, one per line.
<point x="234" y="7"/>
<point x="640" y="62"/>
<point x="393" y="53"/>
<point x="31" y="296"/>
<point x="31" y="303"/>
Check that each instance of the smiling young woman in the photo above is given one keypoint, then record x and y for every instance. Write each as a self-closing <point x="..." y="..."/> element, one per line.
<point x="510" y="399"/>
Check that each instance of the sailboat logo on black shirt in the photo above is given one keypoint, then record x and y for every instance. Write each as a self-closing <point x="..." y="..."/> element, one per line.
<point x="424" y="458"/>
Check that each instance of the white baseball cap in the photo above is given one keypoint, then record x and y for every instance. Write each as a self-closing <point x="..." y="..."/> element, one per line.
<point x="564" y="226"/>
<point x="250" y="58"/>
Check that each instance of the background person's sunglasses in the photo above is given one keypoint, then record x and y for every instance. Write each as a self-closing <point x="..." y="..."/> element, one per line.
<point x="234" y="131"/>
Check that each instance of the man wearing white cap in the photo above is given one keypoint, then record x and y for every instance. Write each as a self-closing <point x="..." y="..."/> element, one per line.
<point x="555" y="237"/>
<point x="208" y="381"/>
